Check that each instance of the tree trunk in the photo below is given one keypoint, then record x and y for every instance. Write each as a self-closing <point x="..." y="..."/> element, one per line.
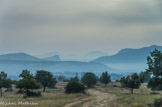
<point x="44" y="89"/>
<point x="132" y="91"/>
<point x="27" y="90"/>
<point x="1" y="91"/>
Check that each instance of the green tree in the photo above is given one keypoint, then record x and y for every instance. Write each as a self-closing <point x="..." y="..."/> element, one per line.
<point x="27" y="81"/>
<point x="61" y="78"/>
<point x="8" y="84"/>
<point x="155" y="68"/>
<point x="105" y="78"/>
<point x="123" y="81"/>
<point x="132" y="82"/>
<point x="89" y="79"/>
<point x="76" y="79"/>
<point x="144" y="77"/>
<point x="3" y="78"/>
<point x="46" y="79"/>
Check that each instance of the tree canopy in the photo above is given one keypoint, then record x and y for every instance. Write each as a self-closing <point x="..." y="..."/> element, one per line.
<point x="89" y="79"/>
<point x="4" y="81"/>
<point x="132" y="82"/>
<point x="105" y="78"/>
<point x="46" y="79"/>
<point x="155" y="68"/>
<point x="27" y="81"/>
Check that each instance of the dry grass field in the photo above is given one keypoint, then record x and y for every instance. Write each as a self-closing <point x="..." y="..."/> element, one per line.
<point x="111" y="96"/>
<point x="50" y="98"/>
<point x="142" y="97"/>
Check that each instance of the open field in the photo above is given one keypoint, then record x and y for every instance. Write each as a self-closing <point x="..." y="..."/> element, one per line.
<point x="51" y="98"/>
<point x="142" y="97"/>
<point x="111" y="96"/>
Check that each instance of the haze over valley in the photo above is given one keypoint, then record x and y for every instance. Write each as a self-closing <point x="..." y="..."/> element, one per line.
<point x="125" y="62"/>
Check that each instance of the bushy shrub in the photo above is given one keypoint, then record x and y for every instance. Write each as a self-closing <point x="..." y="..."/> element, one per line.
<point x="157" y="102"/>
<point x="20" y="91"/>
<point x="33" y="94"/>
<point x="155" y="84"/>
<point x="74" y="87"/>
<point x="154" y="93"/>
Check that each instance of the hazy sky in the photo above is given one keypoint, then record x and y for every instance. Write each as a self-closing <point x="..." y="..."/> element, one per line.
<point x="78" y="26"/>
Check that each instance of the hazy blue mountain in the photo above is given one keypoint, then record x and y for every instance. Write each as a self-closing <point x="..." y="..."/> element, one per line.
<point x="73" y="57"/>
<point x="129" y="55"/>
<point x="19" y="56"/>
<point x="50" y="54"/>
<point x="15" y="67"/>
<point x="64" y="57"/>
<point x="52" y="58"/>
<point x="93" y="55"/>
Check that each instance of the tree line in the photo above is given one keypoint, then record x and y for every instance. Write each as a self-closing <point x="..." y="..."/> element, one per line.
<point x="28" y="81"/>
<point x="44" y="79"/>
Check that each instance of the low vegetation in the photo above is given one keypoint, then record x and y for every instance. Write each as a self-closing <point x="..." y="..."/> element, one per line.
<point x="51" y="98"/>
<point x="142" y="97"/>
<point x="74" y="87"/>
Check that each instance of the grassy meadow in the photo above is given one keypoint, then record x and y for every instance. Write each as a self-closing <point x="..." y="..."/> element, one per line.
<point x="142" y="97"/>
<point x="50" y="98"/>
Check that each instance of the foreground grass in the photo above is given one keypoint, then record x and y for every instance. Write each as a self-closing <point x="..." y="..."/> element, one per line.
<point x="51" y="98"/>
<point x="142" y="97"/>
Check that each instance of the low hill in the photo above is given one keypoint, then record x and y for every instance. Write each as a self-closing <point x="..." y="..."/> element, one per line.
<point x="93" y="55"/>
<point x="19" y="56"/>
<point x="129" y="55"/>
<point x="52" y="58"/>
<point x="67" y="68"/>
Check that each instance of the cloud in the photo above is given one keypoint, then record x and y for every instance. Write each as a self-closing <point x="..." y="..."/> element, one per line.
<point x="80" y="25"/>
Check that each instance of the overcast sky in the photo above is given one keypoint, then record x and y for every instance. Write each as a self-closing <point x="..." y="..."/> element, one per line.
<point x="78" y="26"/>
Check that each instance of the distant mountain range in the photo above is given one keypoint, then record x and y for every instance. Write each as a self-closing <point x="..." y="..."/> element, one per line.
<point x="125" y="61"/>
<point x="14" y="63"/>
<point x="93" y="55"/>
<point x="27" y="57"/>
<point x="128" y="60"/>
<point x="52" y="58"/>
<point x="73" y="57"/>
<point x="129" y="55"/>
<point x="15" y="67"/>
<point x="19" y="56"/>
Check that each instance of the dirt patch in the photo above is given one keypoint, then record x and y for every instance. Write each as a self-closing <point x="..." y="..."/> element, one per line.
<point x="101" y="99"/>
<point x="98" y="99"/>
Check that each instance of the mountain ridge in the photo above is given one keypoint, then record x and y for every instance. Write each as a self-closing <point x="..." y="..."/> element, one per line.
<point x="19" y="56"/>
<point x="129" y="55"/>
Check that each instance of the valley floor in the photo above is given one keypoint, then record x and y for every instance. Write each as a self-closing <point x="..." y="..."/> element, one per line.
<point x="111" y="96"/>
